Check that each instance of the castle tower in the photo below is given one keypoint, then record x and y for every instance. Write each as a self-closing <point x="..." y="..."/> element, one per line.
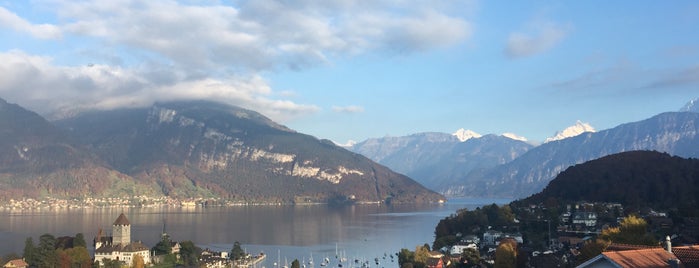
<point x="121" y="230"/>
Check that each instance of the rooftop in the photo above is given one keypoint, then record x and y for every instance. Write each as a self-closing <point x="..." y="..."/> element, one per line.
<point x="121" y="220"/>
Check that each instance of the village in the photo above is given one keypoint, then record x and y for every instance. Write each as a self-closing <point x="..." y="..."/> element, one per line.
<point x="119" y="250"/>
<point x="547" y="237"/>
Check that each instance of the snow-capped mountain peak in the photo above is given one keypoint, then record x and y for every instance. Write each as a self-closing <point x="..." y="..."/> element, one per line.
<point x="572" y="131"/>
<point x="466" y="134"/>
<point x="691" y="106"/>
<point x="514" y="136"/>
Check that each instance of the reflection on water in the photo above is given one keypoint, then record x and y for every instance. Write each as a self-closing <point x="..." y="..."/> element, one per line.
<point x="286" y="231"/>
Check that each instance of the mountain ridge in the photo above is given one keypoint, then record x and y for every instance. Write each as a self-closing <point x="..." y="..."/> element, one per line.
<point x="205" y="149"/>
<point x="671" y="132"/>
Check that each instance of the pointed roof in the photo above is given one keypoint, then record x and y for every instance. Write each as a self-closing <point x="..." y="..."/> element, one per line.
<point x="121" y="220"/>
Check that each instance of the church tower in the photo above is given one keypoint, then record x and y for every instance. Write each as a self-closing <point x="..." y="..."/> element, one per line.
<point x="121" y="230"/>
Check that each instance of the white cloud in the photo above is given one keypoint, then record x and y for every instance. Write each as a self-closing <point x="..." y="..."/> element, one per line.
<point x="352" y="109"/>
<point x="540" y="37"/>
<point x="159" y="50"/>
<point x="35" y="81"/>
<point x="263" y="34"/>
<point x="14" y="22"/>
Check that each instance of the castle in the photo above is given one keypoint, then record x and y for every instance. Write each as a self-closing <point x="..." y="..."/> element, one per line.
<point x="119" y="246"/>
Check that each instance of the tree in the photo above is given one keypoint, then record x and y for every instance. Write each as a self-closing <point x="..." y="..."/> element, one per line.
<point x="79" y="240"/>
<point x="189" y="254"/>
<point x="47" y="251"/>
<point x="506" y="254"/>
<point x="30" y="255"/>
<point x="137" y="261"/>
<point x="592" y="248"/>
<point x="64" y="260"/>
<point x="109" y="263"/>
<point x="163" y="246"/>
<point x="237" y="252"/>
<point x="79" y="257"/>
<point x="632" y="230"/>
<point x="405" y="256"/>
<point x="295" y="264"/>
<point x="421" y="256"/>
<point x="471" y="257"/>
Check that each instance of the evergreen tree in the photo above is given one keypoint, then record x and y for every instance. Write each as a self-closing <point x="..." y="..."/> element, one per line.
<point x="295" y="264"/>
<point x="237" y="252"/>
<point x="79" y="240"/>
<point x="163" y="246"/>
<point x="30" y="255"/>
<point x="471" y="257"/>
<point x="189" y="254"/>
<point x="405" y="256"/>
<point x="46" y="251"/>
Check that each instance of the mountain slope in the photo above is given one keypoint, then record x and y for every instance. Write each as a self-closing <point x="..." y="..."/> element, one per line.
<point x="438" y="160"/>
<point x="37" y="159"/>
<point x="636" y="179"/>
<point x="674" y="133"/>
<point x="202" y="148"/>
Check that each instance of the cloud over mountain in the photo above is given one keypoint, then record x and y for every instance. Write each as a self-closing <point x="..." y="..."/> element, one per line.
<point x="140" y="52"/>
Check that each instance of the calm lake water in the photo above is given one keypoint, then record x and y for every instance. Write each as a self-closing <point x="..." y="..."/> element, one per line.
<point x="281" y="232"/>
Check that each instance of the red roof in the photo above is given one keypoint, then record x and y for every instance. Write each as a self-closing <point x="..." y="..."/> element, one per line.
<point x="16" y="263"/>
<point x="642" y="258"/>
<point x="121" y="220"/>
<point x="688" y="255"/>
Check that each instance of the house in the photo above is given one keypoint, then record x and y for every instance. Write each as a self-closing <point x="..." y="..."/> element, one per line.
<point x="647" y="258"/>
<point x="688" y="255"/>
<point x="470" y="239"/>
<point x="119" y="246"/>
<point x="459" y="248"/>
<point x="490" y="237"/>
<point x="16" y="263"/>
<point x="435" y="263"/>
<point x="589" y="219"/>
<point x="213" y="259"/>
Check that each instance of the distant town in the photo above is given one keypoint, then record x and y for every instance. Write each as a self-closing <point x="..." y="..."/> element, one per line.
<point x="105" y="202"/>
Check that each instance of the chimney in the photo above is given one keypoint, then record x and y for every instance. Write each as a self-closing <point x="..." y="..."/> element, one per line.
<point x="668" y="244"/>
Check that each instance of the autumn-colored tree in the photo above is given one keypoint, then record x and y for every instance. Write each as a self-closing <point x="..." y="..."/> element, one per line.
<point x="79" y="257"/>
<point x="632" y="230"/>
<point x="137" y="261"/>
<point x="64" y="260"/>
<point x="421" y="256"/>
<point x="506" y="254"/>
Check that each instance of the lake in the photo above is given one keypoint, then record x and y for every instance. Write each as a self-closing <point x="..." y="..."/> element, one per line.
<point x="281" y="232"/>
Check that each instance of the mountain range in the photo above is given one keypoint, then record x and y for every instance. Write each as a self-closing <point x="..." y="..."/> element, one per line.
<point x="439" y="160"/>
<point x="513" y="170"/>
<point x="186" y="149"/>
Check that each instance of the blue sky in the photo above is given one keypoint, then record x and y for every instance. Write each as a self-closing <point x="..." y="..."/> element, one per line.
<point x="351" y="70"/>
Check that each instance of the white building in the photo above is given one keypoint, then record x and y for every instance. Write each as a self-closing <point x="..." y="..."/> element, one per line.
<point x="588" y="219"/>
<point x="119" y="246"/>
<point x="491" y="237"/>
